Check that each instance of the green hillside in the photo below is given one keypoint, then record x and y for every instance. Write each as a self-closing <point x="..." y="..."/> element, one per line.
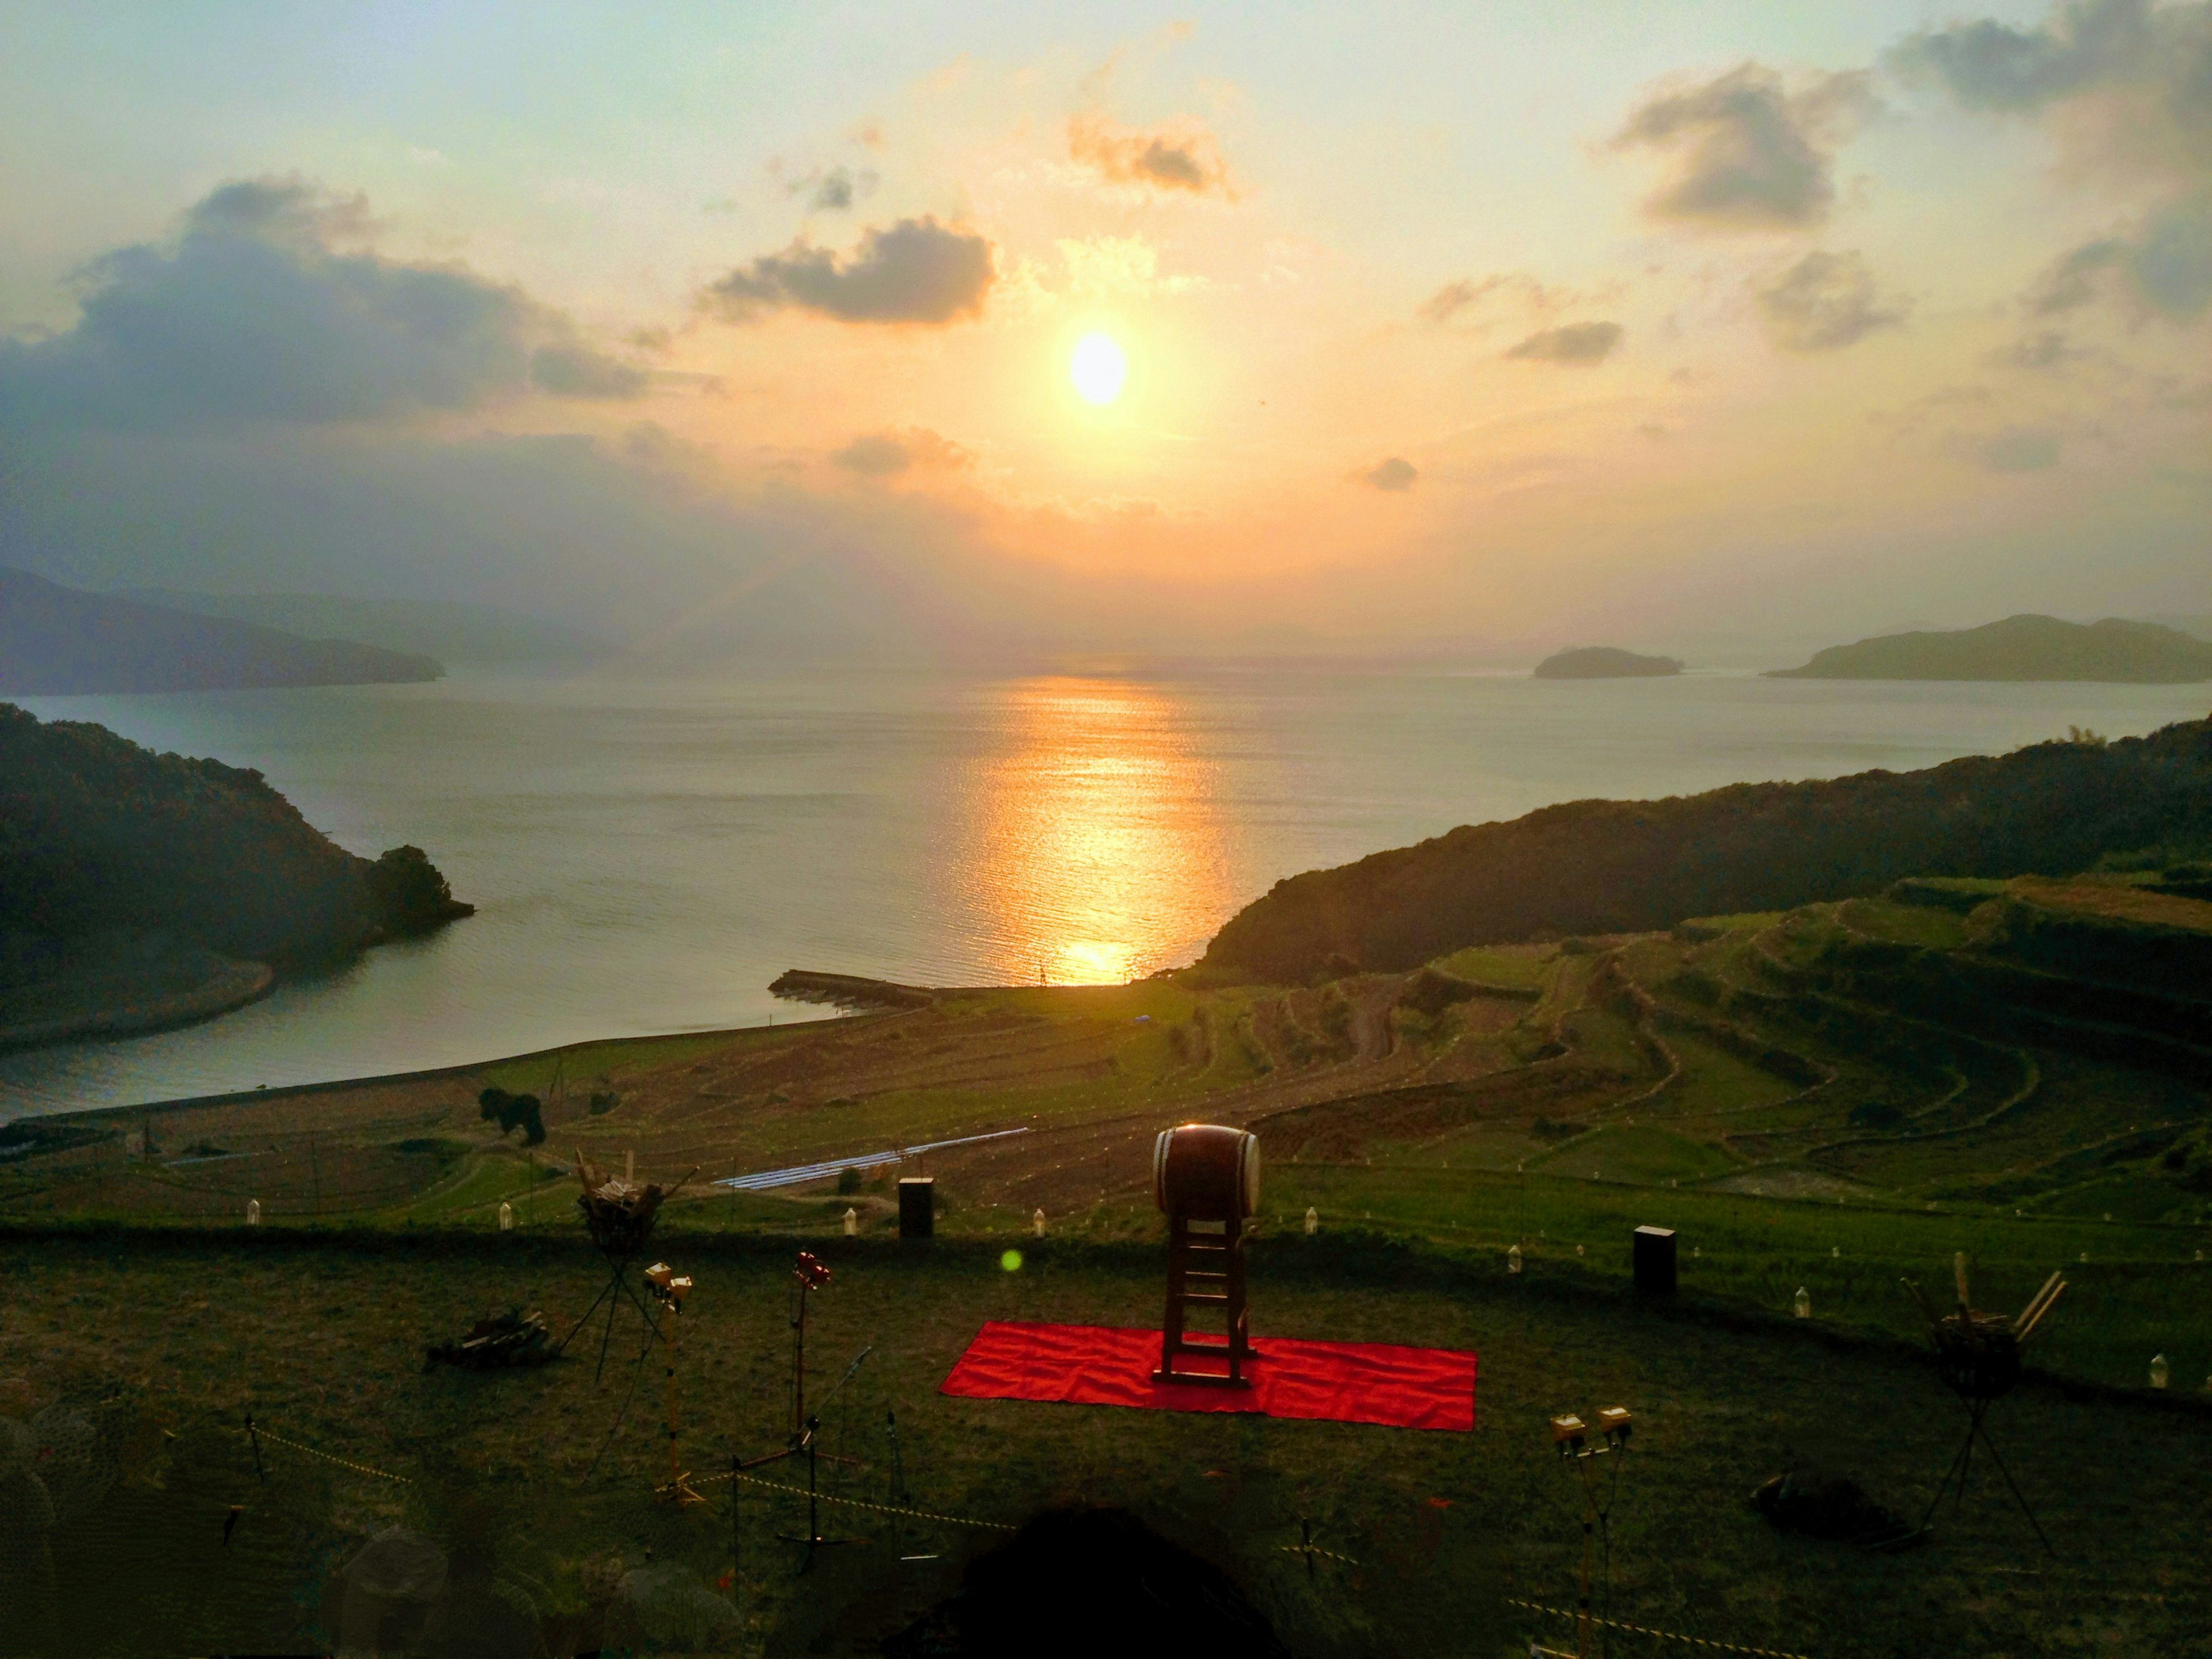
<point x="2025" y="648"/>
<point x="1601" y="867"/>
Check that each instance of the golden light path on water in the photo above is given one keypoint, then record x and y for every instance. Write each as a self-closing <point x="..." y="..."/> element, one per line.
<point x="1095" y="849"/>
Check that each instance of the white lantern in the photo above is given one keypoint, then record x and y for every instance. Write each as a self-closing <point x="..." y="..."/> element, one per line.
<point x="1313" y="1221"/>
<point x="1513" y="1260"/>
<point x="1036" y="1223"/>
<point x="253" y="1212"/>
<point x="1801" y="1303"/>
<point x="506" y="1218"/>
<point x="852" y="1223"/>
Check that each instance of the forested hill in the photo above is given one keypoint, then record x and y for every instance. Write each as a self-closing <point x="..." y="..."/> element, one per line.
<point x="1600" y="866"/>
<point x="98" y="834"/>
<point x="60" y="641"/>
<point x="2026" y="647"/>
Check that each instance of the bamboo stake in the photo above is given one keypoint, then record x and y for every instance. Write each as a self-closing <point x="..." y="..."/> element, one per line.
<point x="2035" y="1301"/>
<point x="1925" y="1306"/>
<point x="2022" y="1335"/>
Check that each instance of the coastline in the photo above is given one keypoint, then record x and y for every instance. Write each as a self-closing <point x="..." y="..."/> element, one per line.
<point x="148" y="1004"/>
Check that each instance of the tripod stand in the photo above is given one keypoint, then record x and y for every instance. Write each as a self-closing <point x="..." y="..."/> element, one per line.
<point x="1977" y="1409"/>
<point x="616" y="1289"/>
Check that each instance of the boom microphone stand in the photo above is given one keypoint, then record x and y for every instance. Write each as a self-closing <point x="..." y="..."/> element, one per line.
<point x="806" y="1426"/>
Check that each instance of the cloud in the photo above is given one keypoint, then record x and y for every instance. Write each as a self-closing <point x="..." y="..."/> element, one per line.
<point x="2143" y="74"/>
<point x="2019" y="449"/>
<point x="1456" y="300"/>
<point x="836" y="189"/>
<point x="577" y="371"/>
<point x="915" y="270"/>
<point x="1823" y="302"/>
<point x="2045" y="349"/>
<point x="266" y="308"/>
<point x="1174" y="156"/>
<point x="2164" y="268"/>
<point x="1396" y="474"/>
<point x="1119" y="267"/>
<point x="887" y="454"/>
<point x="1581" y="343"/>
<point x="1751" y="152"/>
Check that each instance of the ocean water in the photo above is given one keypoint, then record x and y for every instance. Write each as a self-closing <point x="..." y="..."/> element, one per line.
<point x="646" y="854"/>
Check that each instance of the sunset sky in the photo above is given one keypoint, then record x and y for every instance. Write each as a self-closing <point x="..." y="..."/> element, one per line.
<point x="1521" y="322"/>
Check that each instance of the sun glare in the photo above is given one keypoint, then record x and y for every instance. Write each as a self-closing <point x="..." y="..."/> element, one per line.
<point x="1098" y="367"/>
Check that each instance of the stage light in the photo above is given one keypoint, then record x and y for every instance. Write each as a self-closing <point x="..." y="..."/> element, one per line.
<point x="1572" y="1438"/>
<point x="658" y="1275"/>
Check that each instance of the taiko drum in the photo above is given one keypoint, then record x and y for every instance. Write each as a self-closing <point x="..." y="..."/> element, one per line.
<point x="1206" y="1172"/>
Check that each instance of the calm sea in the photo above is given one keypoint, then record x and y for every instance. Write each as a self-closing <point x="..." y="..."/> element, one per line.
<point x="646" y="856"/>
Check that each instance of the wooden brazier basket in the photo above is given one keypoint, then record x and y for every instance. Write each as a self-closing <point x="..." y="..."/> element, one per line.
<point x="1206" y="1177"/>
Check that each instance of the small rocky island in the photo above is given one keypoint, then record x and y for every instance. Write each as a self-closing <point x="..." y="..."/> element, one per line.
<point x="2024" y="648"/>
<point x="1604" y="662"/>
<point x="139" y="890"/>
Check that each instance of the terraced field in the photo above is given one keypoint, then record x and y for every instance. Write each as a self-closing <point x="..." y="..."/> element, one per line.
<point x="2031" y="1052"/>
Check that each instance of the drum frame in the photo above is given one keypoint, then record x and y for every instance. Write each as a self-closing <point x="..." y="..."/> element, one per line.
<point x="1205" y="1268"/>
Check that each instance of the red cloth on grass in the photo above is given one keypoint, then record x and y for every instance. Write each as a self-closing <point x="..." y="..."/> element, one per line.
<point x="1341" y="1382"/>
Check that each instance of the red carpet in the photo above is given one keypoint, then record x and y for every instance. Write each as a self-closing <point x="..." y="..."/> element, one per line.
<point x="1341" y="1382"/>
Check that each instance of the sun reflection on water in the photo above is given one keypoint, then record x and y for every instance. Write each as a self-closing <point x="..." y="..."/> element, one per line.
<point x="1097" y="853"/>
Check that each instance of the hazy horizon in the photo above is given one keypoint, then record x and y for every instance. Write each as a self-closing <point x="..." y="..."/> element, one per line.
<point x="1731" y="333"/>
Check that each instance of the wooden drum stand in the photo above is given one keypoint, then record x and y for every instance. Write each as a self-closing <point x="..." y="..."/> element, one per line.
<point x="1204" y="1175"/>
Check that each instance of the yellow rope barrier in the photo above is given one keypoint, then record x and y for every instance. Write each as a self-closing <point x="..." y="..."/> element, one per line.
<point x="1316" y="1549"/>
<point x="1663" y="1635"/>
<point x="855" y="1502"/>
<point x="257" y="1432"/>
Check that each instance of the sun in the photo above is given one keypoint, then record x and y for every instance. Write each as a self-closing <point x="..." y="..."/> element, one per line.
<point x="1097" y="368"/>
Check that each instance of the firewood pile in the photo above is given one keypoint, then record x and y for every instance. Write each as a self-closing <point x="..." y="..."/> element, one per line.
<point x="619" y="1209"/>
<point x="1977" y="1351"/>
<point x="496" y="1341"/>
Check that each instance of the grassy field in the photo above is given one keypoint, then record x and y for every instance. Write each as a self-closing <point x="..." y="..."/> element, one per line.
<point x="1832" y="1099"/>
<point x="321" y="1340"/>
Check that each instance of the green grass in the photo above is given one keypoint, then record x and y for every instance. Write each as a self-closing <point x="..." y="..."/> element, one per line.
<point x="1438" y="1528"/>
<point x="1640" y="1152"/>
<point x="1518" y="968"/>
<point x="2141" y="1291"/>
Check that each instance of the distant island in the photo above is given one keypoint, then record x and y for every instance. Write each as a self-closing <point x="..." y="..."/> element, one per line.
<point x="139" y="889"/>
<point x="1616" y="866"/>
<point x="2024" y="648"/>
<point x="1603" y="662"/>
<point x="449" y="630"/>
<point x="61" y="641"/>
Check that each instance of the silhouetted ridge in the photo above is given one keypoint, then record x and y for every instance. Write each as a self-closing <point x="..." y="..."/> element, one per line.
<point x="1600" y="866"/>
<point x="98" y="834"/>
<point x="2024" y="648"/>
<point x="1604" y="662"/>
<point x="57" y="642"/>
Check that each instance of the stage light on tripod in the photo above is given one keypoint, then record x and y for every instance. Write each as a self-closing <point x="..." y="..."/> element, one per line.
<point x="1568" y="1434"/>
<point x="1615" y="1423"/>
<point x="658" y="1275"/>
